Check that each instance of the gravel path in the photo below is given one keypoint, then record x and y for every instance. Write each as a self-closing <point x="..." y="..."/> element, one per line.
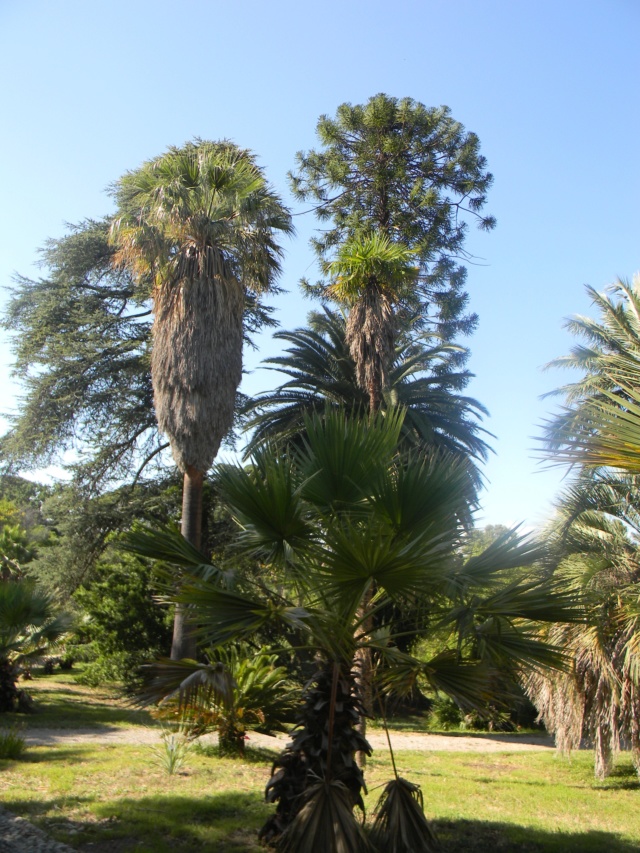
<point x="19" y="836"/>
<point x="424" y="742"/>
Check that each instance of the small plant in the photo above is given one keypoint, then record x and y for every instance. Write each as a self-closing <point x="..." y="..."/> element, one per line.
<point x="12" y="744"/>
<point x="261" y="700"/>
<point x="173" y="751"/>
<point x="445" y="714"/>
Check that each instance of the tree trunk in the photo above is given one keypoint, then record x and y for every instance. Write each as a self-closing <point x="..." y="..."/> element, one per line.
<point x="364" y="677"/>
<point x="375" y="398"/>
<point x="9" y="693"/>
<point x="184" y="643"/>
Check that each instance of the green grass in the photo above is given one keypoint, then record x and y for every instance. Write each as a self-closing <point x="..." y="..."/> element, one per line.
<point x="62" y="703"/>
<point x="115" y="799"/>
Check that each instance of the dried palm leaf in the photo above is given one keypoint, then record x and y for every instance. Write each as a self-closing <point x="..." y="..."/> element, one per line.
<point x="400" y="825"/>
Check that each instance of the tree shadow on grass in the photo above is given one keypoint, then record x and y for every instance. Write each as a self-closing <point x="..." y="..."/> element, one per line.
<point x="477" y="836"/>
<point x="224" y="822"/>
<point x="33" y="755"/>
<point x="229" y="823"/>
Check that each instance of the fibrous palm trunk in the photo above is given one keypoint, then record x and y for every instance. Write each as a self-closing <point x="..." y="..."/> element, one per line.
<point x="370" y="337"/>
<point x="9" y="693"/>
<point x="196" y="367"/>
<point x="324" y="742"/>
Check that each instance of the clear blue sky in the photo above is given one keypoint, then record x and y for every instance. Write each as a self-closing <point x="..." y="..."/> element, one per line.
<point x="91" y="89"/>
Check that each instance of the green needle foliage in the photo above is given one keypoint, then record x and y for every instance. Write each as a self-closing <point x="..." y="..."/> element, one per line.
<point x="405" y="172"/>
<point x="81" y="344"/>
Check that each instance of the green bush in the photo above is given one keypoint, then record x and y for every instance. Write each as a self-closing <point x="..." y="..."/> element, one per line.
<point x="445" y="714"/>
<point x="123" y="626"/>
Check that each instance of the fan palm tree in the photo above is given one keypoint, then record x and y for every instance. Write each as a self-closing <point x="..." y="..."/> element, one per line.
<point x="29" y="626"/>
<point x="330" y="522"/>
<point x="422" y="378"/>
<point x="323" y="372"/>
<point x="200" y="224"/>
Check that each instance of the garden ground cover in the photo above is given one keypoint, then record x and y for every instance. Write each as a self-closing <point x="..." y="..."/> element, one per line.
<point x="114" y="798"/>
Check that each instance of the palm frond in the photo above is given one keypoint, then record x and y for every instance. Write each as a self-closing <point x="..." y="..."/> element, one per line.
<point x="189" y="683"/>
<point x="400" y="825"/>
<point x="325" y="823"/>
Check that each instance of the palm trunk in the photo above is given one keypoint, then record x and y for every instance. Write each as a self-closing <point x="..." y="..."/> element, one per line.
<point x="364" y="677"/>
<point x="9" y="693"/>
<point x="184" y="643"/>
<point x="375" y="397"/>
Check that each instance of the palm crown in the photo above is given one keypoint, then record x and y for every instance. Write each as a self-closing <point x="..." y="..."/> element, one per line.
<point x="423" y="378"/>
<point x="199" y="223"/>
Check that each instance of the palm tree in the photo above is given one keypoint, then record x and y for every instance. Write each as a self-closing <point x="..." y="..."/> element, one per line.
<point x="422" y="377"/>
<point x="371" y="276"/>
<point x="29" y="626"/>
<point x="595" y="536"/>
<point x="330" y="522"/>
<point x="199" y="223"/>
<point x="609" y="359"/>
<point x="323" y="372"/>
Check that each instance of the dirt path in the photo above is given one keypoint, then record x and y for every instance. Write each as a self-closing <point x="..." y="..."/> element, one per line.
<point x="140" y="735"/>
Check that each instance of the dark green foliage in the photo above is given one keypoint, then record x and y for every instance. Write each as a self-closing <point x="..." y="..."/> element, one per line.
<point x="81" y="344"/>
<point x="411" y="172"/>
<point x="424" y="378"/>
<point x="82" y="526"/>
<point x="445" y="713"/>
<point x="123" y="624"/>
<point x="81" y="348"/>
<point x="24" y="528"/>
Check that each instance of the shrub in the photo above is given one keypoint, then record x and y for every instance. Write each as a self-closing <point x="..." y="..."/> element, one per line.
<point x="123" y="627"/>
<point x="12" y="744"/>
<point x="445" y="714"/>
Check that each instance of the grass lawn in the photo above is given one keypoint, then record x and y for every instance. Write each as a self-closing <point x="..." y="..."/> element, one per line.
<point x="115" y="799"/>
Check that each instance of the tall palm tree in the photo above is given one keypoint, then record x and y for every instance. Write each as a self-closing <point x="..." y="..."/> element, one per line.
<point x="418" y="375"/>
<point x="371" y="276"/>
<point x="329" y="522"/>
<point x="595" y="536"/>
<point x="200" y="224"/>
<point x="422" y="378"/>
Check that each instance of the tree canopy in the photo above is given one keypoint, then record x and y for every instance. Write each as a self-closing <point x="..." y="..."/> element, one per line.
<point x="81" y="339"/>
<point x="409" y="172"/>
